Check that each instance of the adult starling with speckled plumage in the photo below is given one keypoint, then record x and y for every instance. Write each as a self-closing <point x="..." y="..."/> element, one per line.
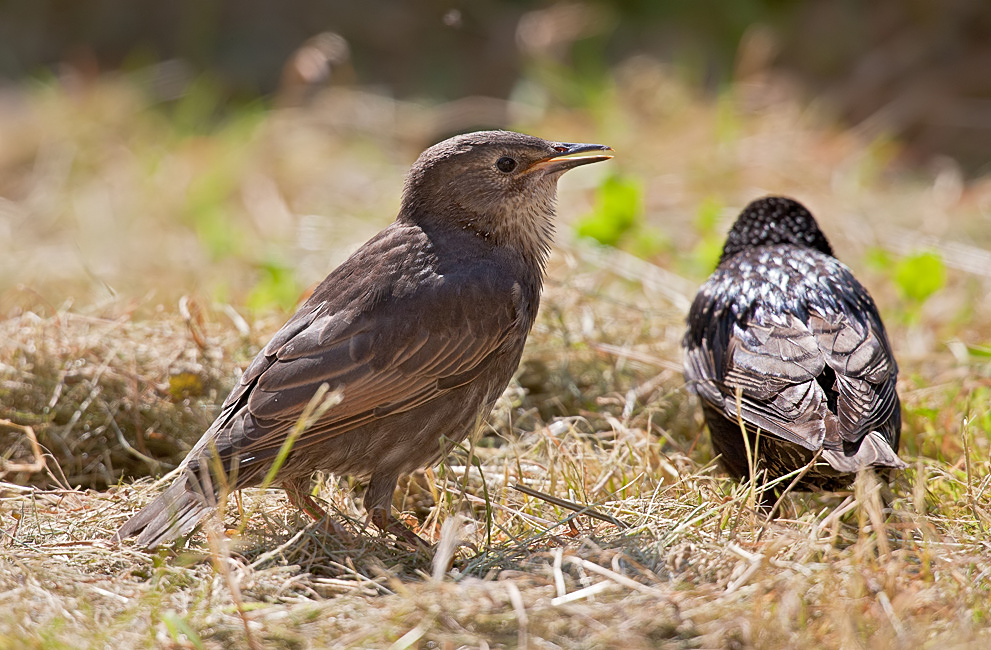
<point x="420" y="331"/>
<point x="786" y="325"/>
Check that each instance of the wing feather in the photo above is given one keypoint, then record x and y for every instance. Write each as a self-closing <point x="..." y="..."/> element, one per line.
<point x="777" y="359"/>
<point x="387" y="350"/>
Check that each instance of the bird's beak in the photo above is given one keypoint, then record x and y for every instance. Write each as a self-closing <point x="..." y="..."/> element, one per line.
<point x="565" y="157"/>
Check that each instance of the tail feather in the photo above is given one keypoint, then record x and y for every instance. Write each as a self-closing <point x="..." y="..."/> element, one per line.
<point x="874" y="451"/>
<point x="175" y="513"/>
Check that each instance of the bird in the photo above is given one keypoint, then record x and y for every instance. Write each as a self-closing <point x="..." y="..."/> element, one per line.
<point x="783" y="341"/>
<point x="419" y="332"/>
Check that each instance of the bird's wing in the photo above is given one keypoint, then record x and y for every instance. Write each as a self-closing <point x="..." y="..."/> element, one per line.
<point x="774" y="363"/>
<point x="854" y="344"/>
<point x="776" y="360"/>
<point x="393" y="355"/>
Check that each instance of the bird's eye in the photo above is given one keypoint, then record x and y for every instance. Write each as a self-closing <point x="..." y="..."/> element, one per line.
<point x="506" y="164"/>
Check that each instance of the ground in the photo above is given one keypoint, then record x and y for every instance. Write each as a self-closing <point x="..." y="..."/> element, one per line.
<point x="151" y="254"/>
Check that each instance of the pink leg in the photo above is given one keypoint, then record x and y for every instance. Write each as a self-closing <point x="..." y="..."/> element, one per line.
<point x="378" y="503"/>
<point x="385" y="522"/>
<point x="296" y="491"/>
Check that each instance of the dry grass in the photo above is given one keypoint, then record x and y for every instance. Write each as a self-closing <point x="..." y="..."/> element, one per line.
<point x="127" y="221"/>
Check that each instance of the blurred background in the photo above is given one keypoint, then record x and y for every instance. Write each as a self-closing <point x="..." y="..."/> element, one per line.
<point x="917" y="68"/>
<point x="175" y="176"/>
<point x="240" y="119"/>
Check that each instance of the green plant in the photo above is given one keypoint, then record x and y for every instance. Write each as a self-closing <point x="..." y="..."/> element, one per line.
<point x="277" y="287"/>
<point x="617" y="218"/>
<point x="917" y="277"/>
<point x="705" y="254"/>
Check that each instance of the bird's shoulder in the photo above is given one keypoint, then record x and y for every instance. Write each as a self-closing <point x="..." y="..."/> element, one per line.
<point x="403" y="274"/>
<point x="772" y="284"/>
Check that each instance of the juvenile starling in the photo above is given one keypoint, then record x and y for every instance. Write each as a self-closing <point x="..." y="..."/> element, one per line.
<point x="786" y="324"/>
<point x="420" y="330"/>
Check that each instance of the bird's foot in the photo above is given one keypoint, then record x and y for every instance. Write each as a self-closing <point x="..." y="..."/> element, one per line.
<point x="385" y="522"/>
<point x="304" y="502"/>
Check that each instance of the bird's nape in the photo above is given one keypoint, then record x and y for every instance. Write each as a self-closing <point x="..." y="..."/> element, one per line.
<point x="774" y="220"/>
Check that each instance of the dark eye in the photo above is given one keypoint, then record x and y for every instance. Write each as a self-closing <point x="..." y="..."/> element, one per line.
<point x="506" y="164"/>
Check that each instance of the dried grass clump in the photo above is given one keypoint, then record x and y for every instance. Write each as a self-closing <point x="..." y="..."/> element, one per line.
<point x="110" y="396"/>
<point x="597" y="425"/>
<point x="695" y="566"/>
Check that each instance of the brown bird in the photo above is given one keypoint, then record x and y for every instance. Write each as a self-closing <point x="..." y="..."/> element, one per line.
<point x="787" y="325"/>
<point x="420" y="331"/>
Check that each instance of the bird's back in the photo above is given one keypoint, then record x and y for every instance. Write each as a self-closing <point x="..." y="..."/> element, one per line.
<point x="800" y="338"/>
<point x="423" y="328"/>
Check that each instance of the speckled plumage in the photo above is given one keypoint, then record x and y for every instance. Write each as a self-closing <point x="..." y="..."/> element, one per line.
<point x="790" y="326"/>
<point x="420" y="330"/>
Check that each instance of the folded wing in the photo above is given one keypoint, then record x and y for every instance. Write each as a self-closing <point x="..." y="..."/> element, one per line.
<point x="385" y="357"/>
<point x="818" y="372"/>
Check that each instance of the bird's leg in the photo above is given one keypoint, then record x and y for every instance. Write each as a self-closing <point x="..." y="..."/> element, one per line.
<point x="298" y="495"/>
<point x="378" y="503"/>
<point x="385" y="522"/>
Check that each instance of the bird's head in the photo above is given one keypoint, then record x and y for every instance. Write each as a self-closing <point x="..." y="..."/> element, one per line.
<point x="774" y="220"/>
<point x="500" y="185"/>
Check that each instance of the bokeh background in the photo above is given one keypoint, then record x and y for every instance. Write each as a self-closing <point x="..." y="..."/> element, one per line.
<point x="257" y="98"/>
<point x="209" y="100"/>
<point x="917" y="68"/>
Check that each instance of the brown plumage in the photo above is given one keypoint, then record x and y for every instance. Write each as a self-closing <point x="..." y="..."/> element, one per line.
<point x="420" y="330"/>
<point x="789" y="326"/>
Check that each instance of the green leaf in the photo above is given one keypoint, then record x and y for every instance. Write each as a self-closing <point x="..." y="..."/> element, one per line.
<point x="277" y="287"/>
<point x="617" y="212"/>
<point x="707" y="215"/>
<point x="981" y="351"/>
<point x="705" y="255"/>
<point x="920" y="275"/>
<point x="648" y="242"/>
<point x="878" y="259"/>
<point x="179" y="627"/>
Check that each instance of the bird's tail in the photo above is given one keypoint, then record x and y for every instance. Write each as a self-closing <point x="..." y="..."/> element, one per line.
<point x="175" y="513"/>
<point x="874" y="451"/>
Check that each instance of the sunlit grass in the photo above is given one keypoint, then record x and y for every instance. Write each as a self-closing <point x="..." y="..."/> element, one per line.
<point x="154" y="247"/>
